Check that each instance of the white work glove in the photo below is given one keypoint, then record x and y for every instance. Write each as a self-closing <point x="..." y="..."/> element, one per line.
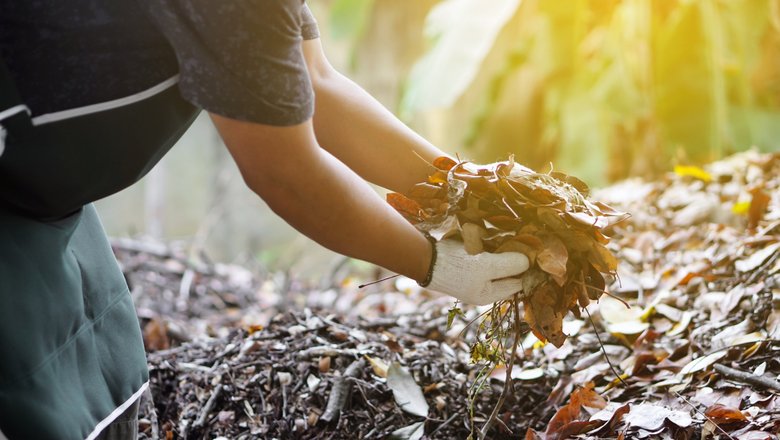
<point x="476" y="279"/>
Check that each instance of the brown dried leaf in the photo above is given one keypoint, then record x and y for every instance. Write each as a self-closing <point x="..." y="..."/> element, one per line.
<point x="444" y="163"/>
<point x="156" y="335"/>
<point x="612" y="422"/>
<point x="564" y="416"/>
<point x="530" y="240"/>
<point x="577" y="427"/>
<point x="565" y="423"/>
<point x="406" y="206"/>
<point x="602" y="259"/>
<point x="588" y="397"/>
<point x="594" y="283"/>
<point x="758" y="205"/>
<point x="724" y="416"/>
<point x="438" y="178"/>
<point x="472" y="238"/>
<point x="324" y="364"/>
<point x="553" y="258"/>
<point x="578" y="184"/>
<point x="425" y="191"/>
<point x="378" y="365"/>
<point x="588" y="220"/>
<point x="517" y="246"/>
<point x="473" y="212"/>
<point x="542" y="315"/>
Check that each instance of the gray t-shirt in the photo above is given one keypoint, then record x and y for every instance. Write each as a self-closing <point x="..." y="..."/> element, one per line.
<point x="240" y="58"/>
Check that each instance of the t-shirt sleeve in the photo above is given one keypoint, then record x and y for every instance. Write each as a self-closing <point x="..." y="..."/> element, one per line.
<point x="309" y="28"/>
<point x="241" y="59"/>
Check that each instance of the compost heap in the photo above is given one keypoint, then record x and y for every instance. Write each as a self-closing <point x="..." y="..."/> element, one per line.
<point x="505" y="207"/>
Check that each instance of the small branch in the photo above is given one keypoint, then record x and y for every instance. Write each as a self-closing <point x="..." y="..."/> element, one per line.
<point x="381" y="426"/>
<point x="201" y="421"/>
<point x="340" y="391"/>
<point x="508" y="384"/>
<point x="749" y="378"/>
<point x="445" y="423"/>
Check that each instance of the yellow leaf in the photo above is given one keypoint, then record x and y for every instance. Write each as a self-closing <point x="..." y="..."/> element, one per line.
<point x="741" y="208"/>
<point x="692" y="171"/>
<point x="378" y="365"/>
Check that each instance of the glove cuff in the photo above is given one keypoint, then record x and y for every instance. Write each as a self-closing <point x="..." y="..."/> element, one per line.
<point x="429" y="276"/>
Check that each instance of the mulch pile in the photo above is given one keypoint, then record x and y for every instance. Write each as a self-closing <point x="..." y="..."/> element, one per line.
<point x="696" y="352"/>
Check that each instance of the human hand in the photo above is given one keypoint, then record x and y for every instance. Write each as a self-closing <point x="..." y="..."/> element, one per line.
<point x="476" y="279"/>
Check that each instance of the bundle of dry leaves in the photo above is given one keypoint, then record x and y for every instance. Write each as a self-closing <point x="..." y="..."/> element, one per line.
<point x="505" y="207"/>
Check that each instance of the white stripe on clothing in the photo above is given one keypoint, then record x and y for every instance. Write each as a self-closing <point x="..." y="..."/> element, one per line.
<point x="117" y="412"/>
<point x="104" y="106"/>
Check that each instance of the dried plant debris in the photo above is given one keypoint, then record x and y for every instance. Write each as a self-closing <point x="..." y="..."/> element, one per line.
<point x="306" y="376"/>
<point x="698" y="350"/>
<point x="505" y="207"/>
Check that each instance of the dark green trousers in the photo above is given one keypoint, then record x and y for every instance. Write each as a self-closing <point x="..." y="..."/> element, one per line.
<point x="71" y="352"/>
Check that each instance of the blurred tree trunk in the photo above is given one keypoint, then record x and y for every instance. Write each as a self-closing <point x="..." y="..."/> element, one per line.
<point x="392" y="42"/>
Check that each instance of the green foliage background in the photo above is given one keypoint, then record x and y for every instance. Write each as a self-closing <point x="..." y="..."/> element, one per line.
<point x="604" y="89"/>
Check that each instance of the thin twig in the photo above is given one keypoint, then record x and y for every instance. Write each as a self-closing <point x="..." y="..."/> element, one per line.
<point x="702" y="414"/>
<point x="468" y="324"/>
<point x="508" y="384"/>
<point x="378" y="281"/>
<point x="446" y="422"/>
<point x="603" y="350"/>
<point x="201" y="420"/>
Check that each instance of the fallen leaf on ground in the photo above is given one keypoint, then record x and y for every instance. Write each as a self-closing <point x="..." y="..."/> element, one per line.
<point x="407" y="393"/>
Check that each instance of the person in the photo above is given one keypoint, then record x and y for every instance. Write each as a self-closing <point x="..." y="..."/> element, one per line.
<point x="92" y="94"/>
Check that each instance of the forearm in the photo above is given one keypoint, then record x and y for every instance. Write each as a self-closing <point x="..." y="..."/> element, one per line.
<point x="325" y="200"/>
<point x="358" y="130"/>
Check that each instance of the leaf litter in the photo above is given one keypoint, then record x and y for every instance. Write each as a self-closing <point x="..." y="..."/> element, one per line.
<point x="697" y="351"/>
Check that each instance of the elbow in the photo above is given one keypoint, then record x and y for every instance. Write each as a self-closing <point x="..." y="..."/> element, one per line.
<point x="323" y="76"/>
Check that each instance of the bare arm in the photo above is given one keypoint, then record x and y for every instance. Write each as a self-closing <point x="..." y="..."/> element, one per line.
<point x="322" y="198"/>
<point x="359" y="131"/>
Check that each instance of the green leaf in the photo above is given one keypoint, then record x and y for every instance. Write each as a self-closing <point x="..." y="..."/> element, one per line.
<point x="452" y="313"/>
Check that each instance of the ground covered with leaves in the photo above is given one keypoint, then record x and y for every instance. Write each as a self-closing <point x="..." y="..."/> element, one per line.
<point x="237" y="352"/>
